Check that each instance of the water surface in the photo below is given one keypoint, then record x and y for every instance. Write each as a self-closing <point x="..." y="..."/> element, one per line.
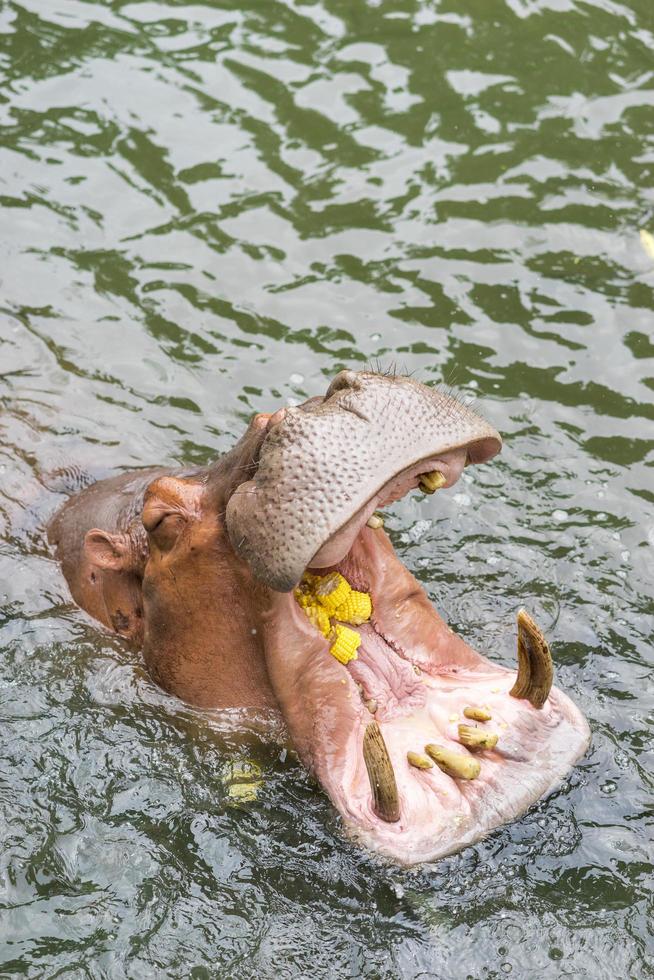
<point x="207" y="209"/>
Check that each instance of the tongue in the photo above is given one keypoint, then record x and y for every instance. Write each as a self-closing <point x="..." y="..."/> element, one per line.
<point x="389" y="685"/>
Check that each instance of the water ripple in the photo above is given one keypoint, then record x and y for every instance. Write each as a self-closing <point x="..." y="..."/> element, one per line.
<point x="207" y="211"/>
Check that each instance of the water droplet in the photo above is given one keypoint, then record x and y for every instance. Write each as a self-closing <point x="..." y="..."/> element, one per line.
<point x="296" y="379"/>
<point x="608" y="787"/>
<point x="560" y="515"/>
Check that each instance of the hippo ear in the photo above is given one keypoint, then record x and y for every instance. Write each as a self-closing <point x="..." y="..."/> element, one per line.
<point x="108" y="551"/>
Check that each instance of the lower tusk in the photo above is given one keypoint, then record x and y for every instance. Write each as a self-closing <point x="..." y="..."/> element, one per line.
<point x="477" y="738"/>
<point x="454" y="764"/>
<point x="535" y="667"/>
<point x="419" y="760"/>
<point x="429" y="482"/>
<point x="477" y="714"/>
<point x="386" y="802"/>
<point x="375" y="521"/>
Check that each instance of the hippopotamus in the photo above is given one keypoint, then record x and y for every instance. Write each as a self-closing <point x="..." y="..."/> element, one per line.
<point x="222" y="576"/>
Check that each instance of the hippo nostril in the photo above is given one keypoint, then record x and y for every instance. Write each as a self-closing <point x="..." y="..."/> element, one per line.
<point x="344" y="379"/>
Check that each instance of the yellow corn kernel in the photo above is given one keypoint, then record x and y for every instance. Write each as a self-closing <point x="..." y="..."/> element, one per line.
<point x="345" y="645"/>
<point x="356" y="609"/>
<point x="331" y="591"/>
<point x="303" y="599"/>
<point x="319" y="618"/>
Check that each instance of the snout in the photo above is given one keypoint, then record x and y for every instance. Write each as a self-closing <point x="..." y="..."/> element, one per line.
<point x="326" y="466"/>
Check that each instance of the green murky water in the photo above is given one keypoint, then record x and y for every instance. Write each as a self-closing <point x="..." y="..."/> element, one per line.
<point x="206" y="209"/>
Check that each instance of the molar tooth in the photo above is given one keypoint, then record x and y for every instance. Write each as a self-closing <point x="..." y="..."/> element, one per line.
<point x="386" y="802"/>
<point x="453" y="763"/>
<point x="476" y="738"/>
<point x="419" y="760"/>
<point x="375" y="521"/>
<point x="535" y="667"/>
<point x="371" y="705"/>
<point x="477" y="714"/>
<point x="429" y="482"/>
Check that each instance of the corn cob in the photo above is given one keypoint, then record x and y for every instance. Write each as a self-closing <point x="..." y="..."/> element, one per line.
<point x="356" y="609"/>
<point x="331" y="591"/>
<point x="303" y="599"/>
<point x="319" y="618"/>
<point x="326" y="597"/>
<point x="345" y="645"/>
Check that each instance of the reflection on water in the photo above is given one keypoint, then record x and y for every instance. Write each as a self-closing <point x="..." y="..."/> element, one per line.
<point x="207" y="209"/>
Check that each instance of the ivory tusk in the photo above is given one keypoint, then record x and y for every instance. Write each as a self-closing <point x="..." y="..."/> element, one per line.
<point x="386" y="803"/>
<point x="535" y="667"/>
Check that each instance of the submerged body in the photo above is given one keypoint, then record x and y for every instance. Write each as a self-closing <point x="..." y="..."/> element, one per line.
<point x="421" y="743"/>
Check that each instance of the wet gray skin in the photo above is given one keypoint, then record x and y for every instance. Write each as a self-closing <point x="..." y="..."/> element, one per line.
<point x="324" y="464"/>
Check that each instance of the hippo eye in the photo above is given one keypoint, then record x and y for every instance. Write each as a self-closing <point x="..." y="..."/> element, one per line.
<point x="165" y="532"/>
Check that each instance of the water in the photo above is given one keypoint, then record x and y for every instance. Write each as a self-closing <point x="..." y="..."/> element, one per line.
<point x="207" y="210"/>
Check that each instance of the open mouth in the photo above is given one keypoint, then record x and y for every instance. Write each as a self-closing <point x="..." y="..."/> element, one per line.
<point x="423" y="745"/>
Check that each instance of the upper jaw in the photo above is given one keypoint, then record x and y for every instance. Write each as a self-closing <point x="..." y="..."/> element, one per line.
<point x="326" y="462"/>
<point x="449" y="465"/>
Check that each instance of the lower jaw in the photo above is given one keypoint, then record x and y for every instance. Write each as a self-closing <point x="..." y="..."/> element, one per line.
<point x="410" y="684"/>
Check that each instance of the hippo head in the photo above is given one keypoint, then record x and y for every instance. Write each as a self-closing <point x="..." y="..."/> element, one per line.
<point x="422" y="744"/>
